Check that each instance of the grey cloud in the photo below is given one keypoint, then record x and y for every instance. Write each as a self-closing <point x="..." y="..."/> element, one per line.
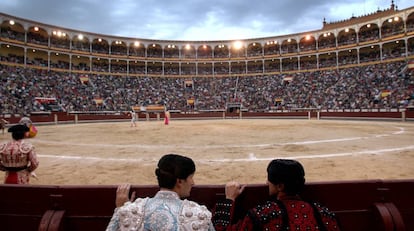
<point x="166" y="19"/>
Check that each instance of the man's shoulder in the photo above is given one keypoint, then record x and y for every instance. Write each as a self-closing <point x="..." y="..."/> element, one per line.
<point x="194" y="205"/>
<point x="323" y="210"/>
<point x="136" y="203"/>
<point x="266" y="207"/>
<point x="132" y="211"/>
<point x="25" y="146"/>
<point x="195" y="215"/>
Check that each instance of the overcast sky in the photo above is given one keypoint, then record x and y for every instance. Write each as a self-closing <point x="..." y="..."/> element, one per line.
<point x="193" y="20"/>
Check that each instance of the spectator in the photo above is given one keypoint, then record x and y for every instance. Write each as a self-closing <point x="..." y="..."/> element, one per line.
<point x="354" y="88"/>
<point x="285" y="210"/>
<point x="166" y="210"/>
<point x="18" y="157"/>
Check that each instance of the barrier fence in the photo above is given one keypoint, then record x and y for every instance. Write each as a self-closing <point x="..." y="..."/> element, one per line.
<point x="96" y="116"/>
<point x="359" y="205"/>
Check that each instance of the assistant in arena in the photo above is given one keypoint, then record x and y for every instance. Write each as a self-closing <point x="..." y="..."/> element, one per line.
<point x="167" y="117"/>
<point x="18" y="157"/>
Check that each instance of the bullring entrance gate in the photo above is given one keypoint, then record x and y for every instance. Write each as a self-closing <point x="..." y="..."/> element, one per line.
<point x="150" y="109"/>
<point x="234" y="109"/>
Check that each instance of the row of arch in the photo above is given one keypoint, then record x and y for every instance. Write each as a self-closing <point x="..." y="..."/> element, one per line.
<point x="400" y="48"/>
<point x="46" y="36"/>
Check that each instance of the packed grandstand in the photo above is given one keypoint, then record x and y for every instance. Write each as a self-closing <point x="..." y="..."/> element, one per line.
<point x="363" y="62"/>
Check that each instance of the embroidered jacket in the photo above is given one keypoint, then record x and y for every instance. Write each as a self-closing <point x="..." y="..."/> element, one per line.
<point x="285" y="214"/>
<point x="18" y="159"/>
<point x="165" y="211"/>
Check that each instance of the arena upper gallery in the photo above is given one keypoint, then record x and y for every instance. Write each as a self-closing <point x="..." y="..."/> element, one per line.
<point x="381" y="35"/>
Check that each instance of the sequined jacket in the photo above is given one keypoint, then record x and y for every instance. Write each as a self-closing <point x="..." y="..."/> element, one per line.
<point x="18" y="159"/>
<point x="165" y="211"/>
<point x="290" y="213"/>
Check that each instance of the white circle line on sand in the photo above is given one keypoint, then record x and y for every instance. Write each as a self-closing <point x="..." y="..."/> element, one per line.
<point x="371" y="152"/>
<point x="147" y="146"/>
<point x="251" y="156"/>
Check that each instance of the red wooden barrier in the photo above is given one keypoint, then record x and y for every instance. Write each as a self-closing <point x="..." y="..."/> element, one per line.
<point x="360" y="205"/>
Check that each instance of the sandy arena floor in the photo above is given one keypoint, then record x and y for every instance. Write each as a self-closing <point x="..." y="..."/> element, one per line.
<point x="114" y="153"/>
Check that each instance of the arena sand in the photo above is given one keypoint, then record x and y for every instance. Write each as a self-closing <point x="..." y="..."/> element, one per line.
<point x="113" y="153"/>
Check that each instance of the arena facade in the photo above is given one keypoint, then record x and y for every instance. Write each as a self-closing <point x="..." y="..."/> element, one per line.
<point x="352" y="67"/>
<point x="380" y="36"/>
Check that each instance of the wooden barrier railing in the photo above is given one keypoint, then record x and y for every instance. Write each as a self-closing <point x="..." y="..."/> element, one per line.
<point x="62" y="117"/>
<point x="360" y="205"/>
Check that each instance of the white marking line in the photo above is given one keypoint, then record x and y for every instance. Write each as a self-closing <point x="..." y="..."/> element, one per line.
<point x="252" y="156"/>
<point x="401" y="131"/>
<point x="97" y="158"/>
<point x="148" y="146"/>
<point x="310" y="156"/>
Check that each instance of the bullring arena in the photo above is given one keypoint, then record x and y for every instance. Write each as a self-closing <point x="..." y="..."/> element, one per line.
<point x="78" y="87"/>
<point x="232" y="149"/>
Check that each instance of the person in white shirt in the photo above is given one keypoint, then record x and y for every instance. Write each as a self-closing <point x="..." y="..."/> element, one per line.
<point x="134" y="118"/>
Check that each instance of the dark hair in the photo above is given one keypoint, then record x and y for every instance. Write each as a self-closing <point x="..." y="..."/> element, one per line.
<point x="288" y="172"/>
<point x="18" y="131"/>
<point x="172" y="167"/>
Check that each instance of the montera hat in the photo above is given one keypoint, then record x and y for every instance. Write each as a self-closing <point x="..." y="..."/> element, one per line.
<point x="18" y="128"/>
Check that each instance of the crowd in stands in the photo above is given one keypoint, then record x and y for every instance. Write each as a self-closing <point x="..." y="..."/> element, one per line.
<point x="384" y="86"/>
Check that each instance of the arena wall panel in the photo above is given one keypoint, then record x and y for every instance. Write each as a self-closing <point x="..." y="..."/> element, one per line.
<point x="359" y="205"/>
